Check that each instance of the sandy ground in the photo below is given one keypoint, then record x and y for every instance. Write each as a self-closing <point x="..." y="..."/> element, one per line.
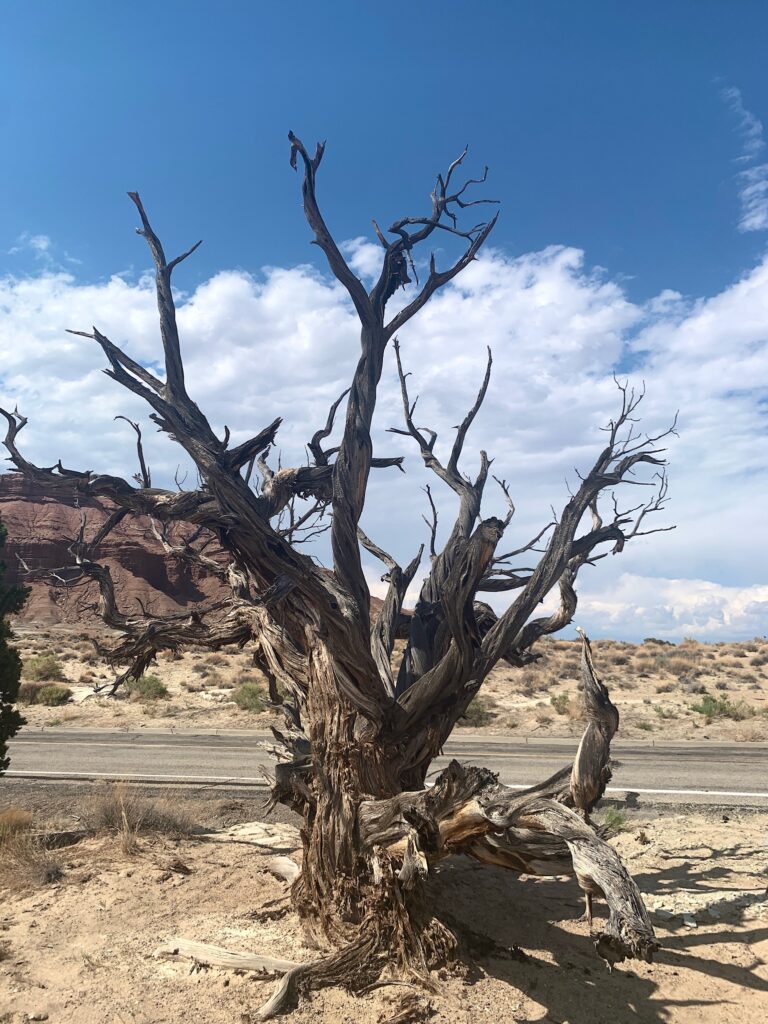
<point x="655" y="686"/>
<point x="81" y="950"/>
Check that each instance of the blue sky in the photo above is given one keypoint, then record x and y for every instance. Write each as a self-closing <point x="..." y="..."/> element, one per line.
<point x="601" y="122"/>
<point x="625" y="142"/>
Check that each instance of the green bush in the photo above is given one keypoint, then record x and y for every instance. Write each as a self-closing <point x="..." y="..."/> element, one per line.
<point x="51" y="695"/>
<point x="249" y="697"/>
<point x="147" y="688"/>
<point x="478" y="713"/>
<point x="560" y="702"/>
<point x="721" y="707"/>
<point x="45" y="668"/>
<point x="614" y="820"/>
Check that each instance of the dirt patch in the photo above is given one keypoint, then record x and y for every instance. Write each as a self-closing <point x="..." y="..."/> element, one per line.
<point x="81" y="949"/>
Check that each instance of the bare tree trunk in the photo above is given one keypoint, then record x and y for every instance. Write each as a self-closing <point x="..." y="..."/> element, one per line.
<point x="361" y="733"/>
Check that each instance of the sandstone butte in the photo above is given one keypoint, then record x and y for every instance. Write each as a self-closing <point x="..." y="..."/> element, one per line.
<point x="39" y="531"/>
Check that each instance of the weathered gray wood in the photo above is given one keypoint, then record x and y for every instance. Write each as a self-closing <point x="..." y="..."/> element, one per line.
<point x="361" y="734"/>
<point x="218" y="956"/>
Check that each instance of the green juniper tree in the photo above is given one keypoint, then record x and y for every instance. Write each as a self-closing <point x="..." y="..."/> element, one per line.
<point x="11" y="600"/>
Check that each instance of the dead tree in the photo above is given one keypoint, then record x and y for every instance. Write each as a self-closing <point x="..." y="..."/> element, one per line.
<point x="361" y="734"/>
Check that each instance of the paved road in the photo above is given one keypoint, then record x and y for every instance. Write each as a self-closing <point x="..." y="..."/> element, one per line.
<point x="711" y="773"/>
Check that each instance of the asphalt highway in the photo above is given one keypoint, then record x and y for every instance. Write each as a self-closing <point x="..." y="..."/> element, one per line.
<point x="708" y="773"/>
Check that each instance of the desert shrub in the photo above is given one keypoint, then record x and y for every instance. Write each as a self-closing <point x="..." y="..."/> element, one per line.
<point x="690" y="685"/>
<point x="721" y="707"/>
<point x="681" y="665"/>
<point x="665" y="688"/>
<point x="560" y="702"/>
<point x="659" y="643"/>
<point x="26" y="863"/>
<point x="528" y="682"/>
<point x="217" y="659"/>
<point x="729" y="662"/>
<point x="645" y="726"/>
<point x="125" y="812"/>
<point x="618" y="658"/>
<point x="28" y="692"/>
<point x="479" y="712"/>
<point x="665" y="713"/>
<point x="201" y="670"/>
<point x="13" y="821"/>
<point x="721" y="684"/>
<point x="43" y="667"/>
<point x="758" y="660"/>
<point x="147" y="688"/>
<point x="52" y="695"/>
<point x="614" y="820"/>
<point x="543" y="717"/>
<point x="249" y="697"/>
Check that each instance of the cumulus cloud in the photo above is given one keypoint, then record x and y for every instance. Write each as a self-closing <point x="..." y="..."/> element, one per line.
<point x="753" y="179"/>
<point x="285" y="343"/>
<point x="673" y="608"/>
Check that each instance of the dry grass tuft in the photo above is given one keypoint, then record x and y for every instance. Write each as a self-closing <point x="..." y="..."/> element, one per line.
<point x="12" y="822"/>
<point x="124" y="812"/>
<point x="25" y="862"/>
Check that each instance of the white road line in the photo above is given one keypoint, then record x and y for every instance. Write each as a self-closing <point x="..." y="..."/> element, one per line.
<point x="127" y="776"/>
<point x="259" y="782"/>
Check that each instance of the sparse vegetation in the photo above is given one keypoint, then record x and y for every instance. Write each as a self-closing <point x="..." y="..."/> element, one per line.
<point x="560" y="702"/>
<point x="479" y="712"/>
<point x="52" y="695"/>
<point x="614" y="820"/>
<point x="721" y="707"/>
<point x="664" y="713"/>
<point x="123" y="811"/>
<point x="249" y="697"/>
<point x="48" y="694"/>
<point x="25" y="862"/>
<point x="147" y="688"/>
<point x="43" y="668"/>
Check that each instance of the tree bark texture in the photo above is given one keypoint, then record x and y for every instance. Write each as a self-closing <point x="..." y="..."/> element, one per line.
<point x="362" y="728"/>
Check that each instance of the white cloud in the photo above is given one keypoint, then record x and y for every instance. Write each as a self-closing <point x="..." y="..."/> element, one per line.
<point x="363" y="256"/>
<point x="40" y="245"/>
<point x="673" y="608"/>
<point x="753" y="180"/>
<point x="286" y="343"/>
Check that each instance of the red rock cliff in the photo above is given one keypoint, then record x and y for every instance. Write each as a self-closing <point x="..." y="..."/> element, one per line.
<point x="39" y="530"/>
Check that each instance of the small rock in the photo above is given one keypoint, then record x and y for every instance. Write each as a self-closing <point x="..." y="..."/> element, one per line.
<point x="37" y="1016"/>
<point x="713" y="913"/>
<point x="689" y="921"/>
<point x="665" y="915"/>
